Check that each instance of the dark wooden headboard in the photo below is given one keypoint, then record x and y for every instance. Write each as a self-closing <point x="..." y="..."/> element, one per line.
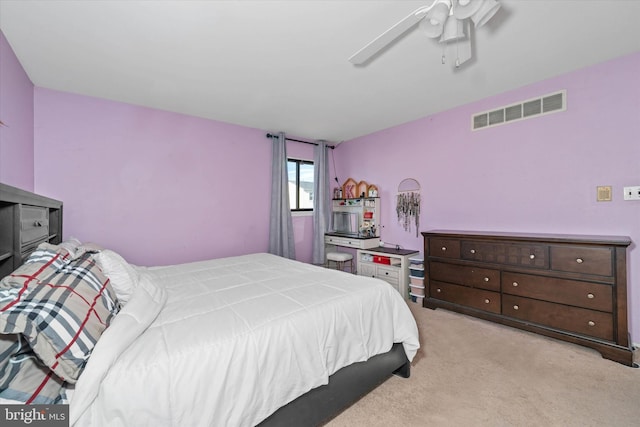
<point x="26" y="220"/>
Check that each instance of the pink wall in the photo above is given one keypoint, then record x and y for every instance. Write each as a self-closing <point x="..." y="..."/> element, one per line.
<point x="157" y="187"/>
<point x="536" y="175"/>
<point x="16" y="111"/>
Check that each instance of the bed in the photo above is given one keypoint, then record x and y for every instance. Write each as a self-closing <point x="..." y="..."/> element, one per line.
<point x="242" y="341"/>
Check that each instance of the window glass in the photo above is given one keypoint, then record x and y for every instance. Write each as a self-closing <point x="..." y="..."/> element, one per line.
<point x="300" y="173"/>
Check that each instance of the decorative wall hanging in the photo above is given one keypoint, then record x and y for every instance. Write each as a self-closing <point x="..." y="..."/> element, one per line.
<point x="408" y="204"/>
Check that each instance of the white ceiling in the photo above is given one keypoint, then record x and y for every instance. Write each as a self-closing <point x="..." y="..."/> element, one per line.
<point x="283" y="65"/>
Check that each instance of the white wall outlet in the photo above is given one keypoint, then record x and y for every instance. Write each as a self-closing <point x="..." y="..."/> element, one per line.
<point x="632" y="193"/>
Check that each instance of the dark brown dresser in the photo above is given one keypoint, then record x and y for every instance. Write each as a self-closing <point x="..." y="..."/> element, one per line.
<point x="568" y="287"/>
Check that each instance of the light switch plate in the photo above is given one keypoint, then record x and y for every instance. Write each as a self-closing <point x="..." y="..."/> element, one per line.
<point x="632" y="193"/>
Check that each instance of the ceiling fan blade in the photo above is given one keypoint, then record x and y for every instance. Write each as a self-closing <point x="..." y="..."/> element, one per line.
<point x="388" y="36"/>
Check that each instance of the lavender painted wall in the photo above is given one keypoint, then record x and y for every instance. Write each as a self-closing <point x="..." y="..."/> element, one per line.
<point x="16" y="111"/>
<point x="535" y="175"/>
<point x="157" y="187"/>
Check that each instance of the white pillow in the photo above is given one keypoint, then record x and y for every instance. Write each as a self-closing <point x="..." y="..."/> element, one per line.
<point x="123" y="277"/>
<point x="87" y="247"/>
<point x="71" y="245"/>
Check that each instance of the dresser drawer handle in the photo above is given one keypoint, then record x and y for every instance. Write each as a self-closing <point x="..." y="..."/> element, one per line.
<point x="515" y="307"/>
<point x="386" y="273"/>
<point x="444" y="248"/>
<point x="487" y="301"/>
<point x="486" y="279"/>
<point x="579" y="260"/>
<point x="473" y="251"/>
<point x="532" y="256"/>
<point x="438" y="290"/>
<point x="591" y="323"/>
<point x="515" y="284"/>
<point x="591" y="296"/>
<point x="37" y="223"/>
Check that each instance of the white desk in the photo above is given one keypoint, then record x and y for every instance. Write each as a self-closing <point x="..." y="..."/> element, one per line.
<point x="351" y="241"/>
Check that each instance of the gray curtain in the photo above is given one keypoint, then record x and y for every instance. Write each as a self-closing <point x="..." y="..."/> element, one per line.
<point x="321" y="207"/>
<point x="281" y="241"/>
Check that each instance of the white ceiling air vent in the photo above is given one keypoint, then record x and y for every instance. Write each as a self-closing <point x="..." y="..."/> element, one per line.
<point x="547" y="104"/>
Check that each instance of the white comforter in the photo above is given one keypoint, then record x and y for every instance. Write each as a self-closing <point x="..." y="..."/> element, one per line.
<point x="236" y="339"/>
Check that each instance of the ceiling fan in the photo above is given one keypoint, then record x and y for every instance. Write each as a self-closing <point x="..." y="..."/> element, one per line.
<point x="447" y="19"/>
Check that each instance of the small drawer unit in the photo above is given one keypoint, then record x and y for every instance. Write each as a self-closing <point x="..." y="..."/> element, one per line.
<point x="416" y="278"/>
<point x="567" y="287"/>
<point x="390" y="265"/>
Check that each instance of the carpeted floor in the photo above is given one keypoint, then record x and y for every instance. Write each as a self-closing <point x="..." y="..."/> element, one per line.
<point x="470" y="372"/>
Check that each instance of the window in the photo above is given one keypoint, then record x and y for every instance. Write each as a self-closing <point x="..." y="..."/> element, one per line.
<point x="300" y="184"/>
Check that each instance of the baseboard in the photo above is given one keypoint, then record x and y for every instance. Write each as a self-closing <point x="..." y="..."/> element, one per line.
<point x="635" y="347"/>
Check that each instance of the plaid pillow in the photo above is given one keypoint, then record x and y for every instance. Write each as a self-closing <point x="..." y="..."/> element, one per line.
<point x="23" y="377"/>
<point x="61" y="306"/>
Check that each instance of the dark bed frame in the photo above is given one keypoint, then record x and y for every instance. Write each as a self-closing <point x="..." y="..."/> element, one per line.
<point x="313" y="408"/>
<point x="345" y="387"/>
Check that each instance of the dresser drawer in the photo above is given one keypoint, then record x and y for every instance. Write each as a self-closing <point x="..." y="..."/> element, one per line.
<point x="34" y="224"/>
<point x="463" y="295"/>
<point x="572" y="319"/>
<point x="582" y="259"/>
<point x="595" y="296"/>
<point x="530" y="255"/>
<point x="365" y="269"/>
<point x="475" y="277"/>
<point x="389" y="275"/>
<point x="446" y="248"/>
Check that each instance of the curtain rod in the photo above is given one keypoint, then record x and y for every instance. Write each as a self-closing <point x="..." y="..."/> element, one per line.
<point x="298" y="140"/>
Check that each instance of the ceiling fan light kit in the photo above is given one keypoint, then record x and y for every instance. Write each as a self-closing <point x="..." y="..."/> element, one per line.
<point x="446" y="20"/>
<point x="485" y="13"/>
<point x="454" y="29"/>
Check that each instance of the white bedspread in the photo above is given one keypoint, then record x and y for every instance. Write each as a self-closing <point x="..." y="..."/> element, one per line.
<point x="236" y="339"/>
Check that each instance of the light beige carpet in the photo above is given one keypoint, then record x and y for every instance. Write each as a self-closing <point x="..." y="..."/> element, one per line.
<point x="470" y="372"/>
